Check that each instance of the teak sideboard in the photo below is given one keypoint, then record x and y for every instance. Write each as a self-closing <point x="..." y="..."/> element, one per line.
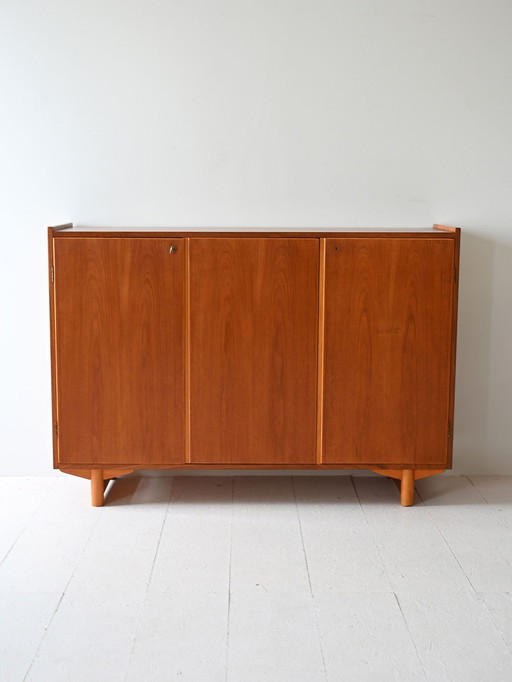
<point x="253" y="350"/>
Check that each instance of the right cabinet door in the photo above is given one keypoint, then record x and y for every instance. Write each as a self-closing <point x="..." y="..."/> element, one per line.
<point x="387" y="340"/>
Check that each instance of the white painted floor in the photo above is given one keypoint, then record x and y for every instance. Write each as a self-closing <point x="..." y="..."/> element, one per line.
<point x="256" y="578"/>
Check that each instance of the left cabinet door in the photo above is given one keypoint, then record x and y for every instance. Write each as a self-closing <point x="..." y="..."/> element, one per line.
<point x="119" y="306"/>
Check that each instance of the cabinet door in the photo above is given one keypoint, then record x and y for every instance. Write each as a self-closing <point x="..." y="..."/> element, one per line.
<point x="119" y="347"/>
<point x="253" y="350"/>
<point x="388" y="338"/>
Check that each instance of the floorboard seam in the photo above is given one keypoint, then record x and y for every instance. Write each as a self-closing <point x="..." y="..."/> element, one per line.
<point x="370" y="530"/>
<point x="447" y="544"/>
<point x="489" y="504"/>
<point x="45" y="497"/>
<point x="478" y="594"/>
<point x="41" y="642"/>
<point x="410" y="635"/>
<point x="309" y="578"/>
<point x="377" y="548"/>
<point x="482" y="602"/>
<point x="229" y="575"/>
<point x="132" y="648"/>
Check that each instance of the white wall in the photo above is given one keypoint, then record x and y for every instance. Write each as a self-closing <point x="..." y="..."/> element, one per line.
<point x="258" y="113"/>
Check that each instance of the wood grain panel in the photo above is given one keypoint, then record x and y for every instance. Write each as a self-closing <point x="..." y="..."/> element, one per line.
<point x="388" y="340"/>
<point x="119" y="336"/>
<point x="253" y="350"/>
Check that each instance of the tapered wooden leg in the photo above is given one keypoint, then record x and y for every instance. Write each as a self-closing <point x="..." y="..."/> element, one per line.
<point x="407" y="488"/>
<point x="97" y="487"/>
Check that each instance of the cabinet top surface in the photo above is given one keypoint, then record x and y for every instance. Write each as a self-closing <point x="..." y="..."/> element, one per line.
<point x="94" y="231"/>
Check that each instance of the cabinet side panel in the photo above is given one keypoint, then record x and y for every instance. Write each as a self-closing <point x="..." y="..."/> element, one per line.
<point x="388" y="339"/>
<point x="53" y="350"/>
<point x="253" y="350"/>
<point x="119" y="329"/>
<point x="454" y="337"/>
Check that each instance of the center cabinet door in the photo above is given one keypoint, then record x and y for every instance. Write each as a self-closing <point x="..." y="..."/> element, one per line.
<point x="119" y="306"/>
<point x="253" y="350"/>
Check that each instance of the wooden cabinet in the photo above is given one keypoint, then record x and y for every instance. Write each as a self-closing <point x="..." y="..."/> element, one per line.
<point x="318" y="350"/>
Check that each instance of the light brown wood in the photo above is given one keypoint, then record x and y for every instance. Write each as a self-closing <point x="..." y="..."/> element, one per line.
<point x="254" y="467"/>
<point x="186" y="339"/>
<point x="64" y="226"/>
<point x="388" y="326"/>
<point x="423" y="473"/>
<point x="446" y="228"/>
<point x="253" y="350"/>
<point x="119" y="334"/>
<point x="453" y="350"/>
<point x="108" y="474"/>
<point x="173" y="232"/>
<point x="97" y="488"/>
<point x="53" y="349"/>
<point x="407" y="488"/>
<point x="321" y="353"/>
<point x="397" y="473"/>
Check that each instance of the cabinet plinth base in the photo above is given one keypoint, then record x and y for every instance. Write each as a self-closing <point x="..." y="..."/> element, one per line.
<point x="99" y="480"/>
<point x="407" y="478"/>
<point x="404" y="477"/>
